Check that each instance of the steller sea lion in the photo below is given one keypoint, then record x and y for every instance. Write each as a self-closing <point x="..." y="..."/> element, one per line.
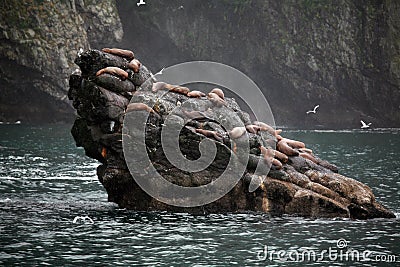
<point x="218" y="92"/>
<point x="139" y="106"/>
<point x="213" y="134"/>
<point x="253" y="128"/>
<point x="120" y="52"/>
<point x="309" y="156"/>
<point x="180" y="90"/>
<point x="279" y="155"/>
<point x="114" y="71"/>
<point x="216" y="99"/>
<point x="293" y="143"/>
<point x="237" y="132"/>
<point x="283" y="147"/>
<point x="159" y="86"/>
<point x="195" y="94"/>
<point x="267" y="128"/>
<point x="306" y="150"/>
<point x="269" y="157"/>
<point x="134" y="64"/>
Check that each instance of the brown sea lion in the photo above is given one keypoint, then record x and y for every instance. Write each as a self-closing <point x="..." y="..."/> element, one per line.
<point x="269" y="157"/>
<point x="309" y="156"/>
<point x="139" y="106"/>
<point x="120" y="52"/>
<point x="277" y="163"/>
<point x="279" y="155"/>
<point x="180" y="90"/>
<point x="293" y="143"/>
<point x="195" y="94"/>
<point x="134" y="64"/>
<point x="159" y="86"/>
<point x="283" y="147"/>
<point x="306" y="150"/>
<point x="267" y="128"/>
<point x="237" y="132"/>
<point x="114" y="71"/>
<point x="218" y="92"/>
<point x="253" y="128"/>
<point x="213" y="134"/>
<point x="216" y="99"/>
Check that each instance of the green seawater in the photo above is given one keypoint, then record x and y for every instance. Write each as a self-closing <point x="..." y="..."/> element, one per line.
<point x="45" y="181"/>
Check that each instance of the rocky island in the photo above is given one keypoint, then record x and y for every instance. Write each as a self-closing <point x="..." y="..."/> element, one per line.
<point x="112" y="87"/>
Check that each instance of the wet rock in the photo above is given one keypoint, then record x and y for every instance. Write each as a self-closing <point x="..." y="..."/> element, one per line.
<point x="303" y="184"/>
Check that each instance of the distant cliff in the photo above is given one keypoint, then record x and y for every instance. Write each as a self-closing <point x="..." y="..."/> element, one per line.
<point x="343" y="55"/>
<point x="39" y="41"/>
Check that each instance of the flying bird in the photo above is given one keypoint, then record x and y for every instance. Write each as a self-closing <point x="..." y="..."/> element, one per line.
<point x="141" y="2"/>
<point x="364" y="125"/>
<point x="314" y="110"/>
<point x="160" y="72"/>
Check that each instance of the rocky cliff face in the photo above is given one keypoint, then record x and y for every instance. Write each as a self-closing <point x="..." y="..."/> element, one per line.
<point x="39" y="41"/>
<point x="342" y="55"/>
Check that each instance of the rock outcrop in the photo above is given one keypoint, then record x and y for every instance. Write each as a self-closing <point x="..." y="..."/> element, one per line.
<point x="39" y="42"/>
<point x="291" y="179"/>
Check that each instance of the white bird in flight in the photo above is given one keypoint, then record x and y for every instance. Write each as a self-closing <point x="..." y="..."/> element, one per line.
<point x="364" y="125"/>
<point x="83" y="218"/>
<point x="141" y="2"/>
<point x="314" y="110"/>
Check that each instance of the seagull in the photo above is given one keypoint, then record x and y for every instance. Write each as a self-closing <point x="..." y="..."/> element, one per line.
<point x="83" y="218"/>
<point x="160" y="72"/>
<point x="18" y="122"/>
<point x="364" y="125"/>
<point x="141" y="2"/>
<point x="181" y="7"/>
<point x="314" y="110"/>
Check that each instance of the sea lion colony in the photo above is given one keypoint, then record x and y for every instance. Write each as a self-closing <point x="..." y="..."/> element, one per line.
<point x="113" y="87"/>
<point x="275" y="151"/>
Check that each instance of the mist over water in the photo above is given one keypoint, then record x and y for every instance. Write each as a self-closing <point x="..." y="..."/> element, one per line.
<point x="45" y="181"/>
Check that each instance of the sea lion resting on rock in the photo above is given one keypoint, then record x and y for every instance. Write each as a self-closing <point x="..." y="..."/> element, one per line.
<point x="267" y="128"/>
<point x="218" y="92"/>
<point x="269" y="157"/>
<point x="290" y="142"/>
<point x="139" y="106"/>
<point x="172" y="88"/>
<point x="114" y="71"/>
<point x="180" y="90"/>
<point x="195" y="94"/>
<point x="253" y="128"/>
<point x="283" y="147"/>
<point x="308" y="156"/>
<point x="237" y="132"/>
<point x="134" y="65"/>
<point x="216" y="99"/>
<point x="119" y="52"/>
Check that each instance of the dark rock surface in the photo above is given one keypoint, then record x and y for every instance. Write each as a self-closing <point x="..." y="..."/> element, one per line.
<point x="306" y="186"/>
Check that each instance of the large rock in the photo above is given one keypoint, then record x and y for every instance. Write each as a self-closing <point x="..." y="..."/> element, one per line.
<point x="304" y="184"/>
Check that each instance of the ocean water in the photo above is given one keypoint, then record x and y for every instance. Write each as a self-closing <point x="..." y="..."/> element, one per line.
<point x="45" y="182"/>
